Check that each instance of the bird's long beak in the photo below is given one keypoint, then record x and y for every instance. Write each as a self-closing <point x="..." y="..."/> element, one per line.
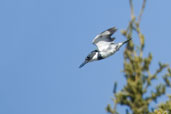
<point x="85" y="62"/>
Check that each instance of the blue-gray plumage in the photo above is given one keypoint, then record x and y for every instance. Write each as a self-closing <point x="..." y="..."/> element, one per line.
<point x="105" y="46"/>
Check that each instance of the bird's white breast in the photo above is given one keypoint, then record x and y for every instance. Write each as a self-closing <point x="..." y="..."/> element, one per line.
<point x="110" y="50"/>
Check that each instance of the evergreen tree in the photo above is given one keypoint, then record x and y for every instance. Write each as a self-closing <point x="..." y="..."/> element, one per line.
<point x="138" y="76"/>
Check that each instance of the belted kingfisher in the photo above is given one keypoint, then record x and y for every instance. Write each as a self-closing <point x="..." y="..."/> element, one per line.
<point x="105" y="46"/>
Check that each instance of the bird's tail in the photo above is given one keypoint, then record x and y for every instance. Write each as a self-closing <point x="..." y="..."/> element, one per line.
<point x="85" y="62"/>
<point x="127" y="41"/>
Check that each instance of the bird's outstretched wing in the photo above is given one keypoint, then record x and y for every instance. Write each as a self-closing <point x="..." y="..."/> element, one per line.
<point x="103" y="40"/>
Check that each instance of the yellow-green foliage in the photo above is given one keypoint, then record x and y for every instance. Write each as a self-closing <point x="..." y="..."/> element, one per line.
<point x="165" y="107"/>
<point x="138" y="75"/>
<point x="160" y="111"/>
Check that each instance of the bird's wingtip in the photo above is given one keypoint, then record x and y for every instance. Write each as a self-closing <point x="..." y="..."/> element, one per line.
<point x="113" y="29"/>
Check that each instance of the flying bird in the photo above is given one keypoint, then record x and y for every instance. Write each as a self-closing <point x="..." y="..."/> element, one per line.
<point x="105" y="46"/>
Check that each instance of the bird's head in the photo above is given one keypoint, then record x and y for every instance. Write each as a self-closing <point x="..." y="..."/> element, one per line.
<point x="91" y="57"/>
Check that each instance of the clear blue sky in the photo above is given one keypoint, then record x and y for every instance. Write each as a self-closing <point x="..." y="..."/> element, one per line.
<point x="42" y="43"/>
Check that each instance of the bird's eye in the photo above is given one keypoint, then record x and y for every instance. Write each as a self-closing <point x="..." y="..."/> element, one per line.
<point x="88" y="58"/>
